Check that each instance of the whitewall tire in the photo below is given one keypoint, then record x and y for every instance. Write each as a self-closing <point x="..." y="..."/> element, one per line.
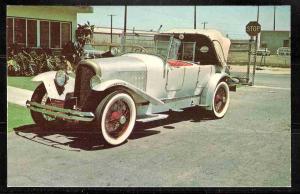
<point x="116" y="115"/>
<point x="221" y="99"/>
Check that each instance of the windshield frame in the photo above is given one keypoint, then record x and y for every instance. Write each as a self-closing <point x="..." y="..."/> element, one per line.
<point x="170" y="41"/>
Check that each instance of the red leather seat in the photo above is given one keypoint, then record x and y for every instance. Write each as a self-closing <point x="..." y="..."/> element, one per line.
<point x="178" y="63"/>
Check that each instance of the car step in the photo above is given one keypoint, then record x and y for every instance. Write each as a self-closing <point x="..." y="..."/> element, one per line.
<point x="151" y="117"/>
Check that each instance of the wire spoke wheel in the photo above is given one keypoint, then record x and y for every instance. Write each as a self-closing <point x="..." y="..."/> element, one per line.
<point x="220" y="100"/>
<point x="116" y="116"/>
<point x="117" y="119"/>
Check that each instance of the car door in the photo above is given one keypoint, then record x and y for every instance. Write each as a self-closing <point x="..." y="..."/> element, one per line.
<point x="183" y="73"/>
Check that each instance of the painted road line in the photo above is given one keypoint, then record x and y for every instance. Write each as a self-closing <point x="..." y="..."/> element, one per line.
<point x="271" y="87"/>
<point x="18" y="95"/>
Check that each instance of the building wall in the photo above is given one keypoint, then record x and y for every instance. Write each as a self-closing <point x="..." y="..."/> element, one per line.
<point x="274" y="39"/>
<point x="45" y="12"/>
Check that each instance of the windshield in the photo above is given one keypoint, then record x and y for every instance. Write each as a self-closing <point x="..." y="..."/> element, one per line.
<point x="165" y="46"/>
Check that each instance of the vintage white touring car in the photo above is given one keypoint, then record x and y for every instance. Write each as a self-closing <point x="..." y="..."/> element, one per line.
<point x="185" y="68"/>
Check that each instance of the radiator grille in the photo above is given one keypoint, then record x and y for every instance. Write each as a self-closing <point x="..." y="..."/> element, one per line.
<point x="82" y="84"/>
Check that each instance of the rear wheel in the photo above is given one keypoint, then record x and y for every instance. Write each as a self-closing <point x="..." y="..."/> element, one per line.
<point x="221" y="100"/>
<point x="116" y="115"/>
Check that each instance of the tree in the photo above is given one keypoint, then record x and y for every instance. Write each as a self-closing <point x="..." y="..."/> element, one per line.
<point x="73" y="51"/>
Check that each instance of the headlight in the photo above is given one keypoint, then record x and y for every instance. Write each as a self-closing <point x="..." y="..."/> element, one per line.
<point x="114" y="51"/>
<point x="86" y="55"/>
<point x="95" y="80"/>
<point x="61" y="78"/>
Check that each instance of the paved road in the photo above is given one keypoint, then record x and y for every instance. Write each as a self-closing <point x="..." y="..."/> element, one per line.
<point x="250" y="146"/>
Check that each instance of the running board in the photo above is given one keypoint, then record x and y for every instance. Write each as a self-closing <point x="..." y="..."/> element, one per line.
<point x="151" y="117"/>
<point x="176" y="110"/>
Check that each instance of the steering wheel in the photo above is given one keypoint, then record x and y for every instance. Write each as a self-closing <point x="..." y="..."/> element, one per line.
<point x="139" y="48"/>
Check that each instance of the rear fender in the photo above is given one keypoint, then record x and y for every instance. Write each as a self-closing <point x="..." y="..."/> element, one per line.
<point x="208" y="92"/>
<point x="130" y="88"/>
<point x="47" y="79"/>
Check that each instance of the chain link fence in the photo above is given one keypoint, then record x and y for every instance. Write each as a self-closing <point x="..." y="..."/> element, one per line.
<point x="242" y="60"/>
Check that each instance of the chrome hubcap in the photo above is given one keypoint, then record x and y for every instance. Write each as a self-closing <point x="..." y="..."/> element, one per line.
<point x="122" y="119"/>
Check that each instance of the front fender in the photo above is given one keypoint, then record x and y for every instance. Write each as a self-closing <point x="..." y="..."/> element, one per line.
<point x="208" y="92"/>
<point x="111" y="83"/>
<point x="47" y="79"/>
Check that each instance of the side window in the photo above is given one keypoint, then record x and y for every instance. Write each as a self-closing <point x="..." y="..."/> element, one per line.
<point x="188" y="51"/>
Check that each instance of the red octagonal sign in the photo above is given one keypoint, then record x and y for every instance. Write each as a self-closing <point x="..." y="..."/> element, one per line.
<point x="253" y="28"/>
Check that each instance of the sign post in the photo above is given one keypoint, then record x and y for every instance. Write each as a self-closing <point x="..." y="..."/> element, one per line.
<point x="252" y="29"/>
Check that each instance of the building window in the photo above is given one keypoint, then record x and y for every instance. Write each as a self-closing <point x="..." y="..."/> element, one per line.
<point x="286" y="43"/>
<point x="55" y="34"/>
<point x="65" y="33"/>
<point x="44" y="34"/>
<point x="20" y="31"/>
<point x="9" y="31"/>
<point x="31" y="33"/>
<point x="37" y="33"/>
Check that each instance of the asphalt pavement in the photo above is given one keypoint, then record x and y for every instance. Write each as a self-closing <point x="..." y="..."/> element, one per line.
<point x="250" y="146"/>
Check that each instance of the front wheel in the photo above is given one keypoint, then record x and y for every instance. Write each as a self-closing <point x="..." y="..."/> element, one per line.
<point x="115" y="117"/>
<point x="40" y="96"/>
<point x="221" y="100"/>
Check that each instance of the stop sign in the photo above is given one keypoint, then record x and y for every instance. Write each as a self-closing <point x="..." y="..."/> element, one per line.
<point x="253" y="28"/>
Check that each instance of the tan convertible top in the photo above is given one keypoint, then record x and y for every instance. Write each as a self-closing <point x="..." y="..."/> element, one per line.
<point x="220" y="42"/>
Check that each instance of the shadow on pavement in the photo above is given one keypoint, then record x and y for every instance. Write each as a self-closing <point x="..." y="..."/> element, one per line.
<point x="77" y="137"/>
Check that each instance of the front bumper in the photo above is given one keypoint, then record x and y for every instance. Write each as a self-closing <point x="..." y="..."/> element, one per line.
<point x="60" y="112"/>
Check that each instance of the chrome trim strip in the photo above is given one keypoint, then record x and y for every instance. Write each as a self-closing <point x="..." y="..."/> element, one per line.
<point x="60" y="112"/>
<point x="166" y="100"/>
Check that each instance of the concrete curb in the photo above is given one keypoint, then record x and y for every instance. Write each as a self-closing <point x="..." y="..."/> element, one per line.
<point x="18" y="96"/>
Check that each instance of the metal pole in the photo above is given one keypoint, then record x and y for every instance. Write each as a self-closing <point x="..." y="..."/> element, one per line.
<point x="111" y="21"/>
<point x="124" y="31"/>
<point x="254" y="65"/>
<point x="249" y="58"/>
<point x="195" y="17"/>
<point x="204" y="24"/>
<point x="125" y="19"/>
<point x="274" y="18"/>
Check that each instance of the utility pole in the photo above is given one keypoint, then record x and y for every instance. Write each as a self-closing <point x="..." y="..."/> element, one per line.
<point x="255" y="51"/>
<point x="125" y="19"/>
<point x="204" y="24"/>
<point x="111" y="21"/>
<point x="195" y="18"/>
<point x="274" y="18"/>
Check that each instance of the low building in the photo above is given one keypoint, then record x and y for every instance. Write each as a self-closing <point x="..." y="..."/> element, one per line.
<point x="102" y="35"/>
<point x="42" y="26"/>
<point x="239" y="45"/>
<point x="274" y="39"/>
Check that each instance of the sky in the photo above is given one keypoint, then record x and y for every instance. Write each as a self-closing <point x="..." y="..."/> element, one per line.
<point x="229" y="20"/>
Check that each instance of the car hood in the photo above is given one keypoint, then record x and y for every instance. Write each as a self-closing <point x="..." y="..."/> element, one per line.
<point x="111" y="66"/>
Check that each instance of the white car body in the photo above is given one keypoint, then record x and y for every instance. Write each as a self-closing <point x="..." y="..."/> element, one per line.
<point x="155" y="84"/>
